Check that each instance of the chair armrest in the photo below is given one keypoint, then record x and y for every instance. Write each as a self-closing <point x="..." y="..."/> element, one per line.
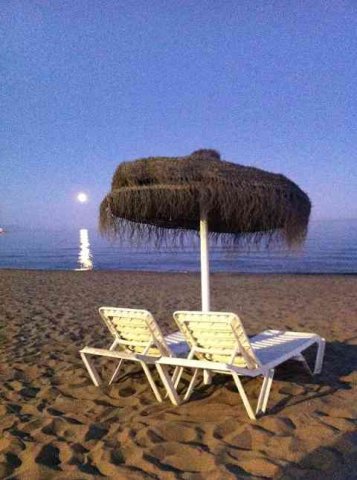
<point x="102" y="352"/>
<point x="206" y="365"/>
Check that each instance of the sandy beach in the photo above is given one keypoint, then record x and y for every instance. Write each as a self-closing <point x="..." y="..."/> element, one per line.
<point x="54" y="423"/>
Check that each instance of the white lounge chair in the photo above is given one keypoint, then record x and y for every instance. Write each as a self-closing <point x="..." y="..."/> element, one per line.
<point x="219" y="343"/>
<point x="137" y="338"/>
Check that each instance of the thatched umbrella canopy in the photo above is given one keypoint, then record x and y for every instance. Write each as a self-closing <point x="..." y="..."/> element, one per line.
<point x="160" y="195"/>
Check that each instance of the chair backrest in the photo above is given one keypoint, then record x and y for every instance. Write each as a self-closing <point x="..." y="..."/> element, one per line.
<point x="217" y="336"/>
<point x="135" y="330"/>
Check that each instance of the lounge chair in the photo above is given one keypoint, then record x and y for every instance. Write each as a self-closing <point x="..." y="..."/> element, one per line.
<point x="137" y="338"/>
<point x="220" y="344"/>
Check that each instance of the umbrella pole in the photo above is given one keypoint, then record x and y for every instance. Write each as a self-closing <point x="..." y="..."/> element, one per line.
<point x="207" y="377"/>
<point x="204" y="263"/>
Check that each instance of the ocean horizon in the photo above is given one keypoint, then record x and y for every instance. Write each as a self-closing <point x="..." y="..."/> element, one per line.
<point x="330" y="248"/>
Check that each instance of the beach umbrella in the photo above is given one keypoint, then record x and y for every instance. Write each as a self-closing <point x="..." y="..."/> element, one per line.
<point x="160" y="197"/>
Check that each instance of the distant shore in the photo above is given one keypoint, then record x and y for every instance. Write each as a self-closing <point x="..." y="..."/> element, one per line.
<point x="177" y="272"/>
<point x="54" y="423"/>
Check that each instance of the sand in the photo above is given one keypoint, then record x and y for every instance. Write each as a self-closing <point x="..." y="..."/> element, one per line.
<point x="55" y="424"/>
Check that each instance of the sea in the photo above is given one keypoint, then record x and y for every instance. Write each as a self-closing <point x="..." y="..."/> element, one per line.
<point x="330" y="247"/>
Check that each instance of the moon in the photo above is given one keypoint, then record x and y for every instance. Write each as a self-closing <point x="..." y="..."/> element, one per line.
<point x="82" y="197"/>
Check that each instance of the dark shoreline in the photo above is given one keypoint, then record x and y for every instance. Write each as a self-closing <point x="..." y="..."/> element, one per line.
<point x="176" y="272"/>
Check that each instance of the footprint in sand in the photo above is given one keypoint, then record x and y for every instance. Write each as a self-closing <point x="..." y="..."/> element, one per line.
<point x="49" y="456"/>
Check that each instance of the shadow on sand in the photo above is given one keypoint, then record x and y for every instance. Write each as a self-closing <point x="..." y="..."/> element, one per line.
<point x="337" y="461"/>
<point x="333" y="462"/>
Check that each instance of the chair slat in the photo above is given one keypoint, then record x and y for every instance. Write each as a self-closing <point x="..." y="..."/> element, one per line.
<point x="217" y="333"/>
<point x="134" y="329"/>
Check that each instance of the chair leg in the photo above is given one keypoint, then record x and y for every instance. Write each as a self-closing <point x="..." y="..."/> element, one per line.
<point x="264" y="392"/>
<point x="176" y="377"/>
<point x="191" y="385"/>
<point x="261" y="394"/>
<point x="173" y="379"/>
<point x="151" y="382"/>
<point x="91" y="370"/>
<point x="207" y="377"/>
<point x="243" y="396"/>
<point x="319" y="356"/>
<point x="116" y="372"/>
<point x="168" y="384"/>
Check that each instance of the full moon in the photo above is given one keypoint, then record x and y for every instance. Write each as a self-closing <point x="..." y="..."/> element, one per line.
<point x="82" y="197"/>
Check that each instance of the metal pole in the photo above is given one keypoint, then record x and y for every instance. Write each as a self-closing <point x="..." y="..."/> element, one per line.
<point x="204" y="263"/>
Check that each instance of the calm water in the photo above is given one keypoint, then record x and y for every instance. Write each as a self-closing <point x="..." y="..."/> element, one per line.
<point x="331" y="247"/>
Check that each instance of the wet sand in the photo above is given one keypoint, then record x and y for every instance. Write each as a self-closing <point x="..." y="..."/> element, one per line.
<point x="55" y="424"/>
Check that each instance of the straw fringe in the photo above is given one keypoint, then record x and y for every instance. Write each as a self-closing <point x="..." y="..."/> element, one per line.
<point x="161" y="198"/>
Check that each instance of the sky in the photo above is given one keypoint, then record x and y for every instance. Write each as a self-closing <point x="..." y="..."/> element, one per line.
<point x="85" y="85"/>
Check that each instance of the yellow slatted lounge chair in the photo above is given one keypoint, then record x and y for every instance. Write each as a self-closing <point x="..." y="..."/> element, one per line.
<point x="219" y="343"/>
<point x="137" y="338"/>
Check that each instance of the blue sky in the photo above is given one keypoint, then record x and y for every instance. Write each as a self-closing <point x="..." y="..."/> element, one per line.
<point x="88" y="84"/>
